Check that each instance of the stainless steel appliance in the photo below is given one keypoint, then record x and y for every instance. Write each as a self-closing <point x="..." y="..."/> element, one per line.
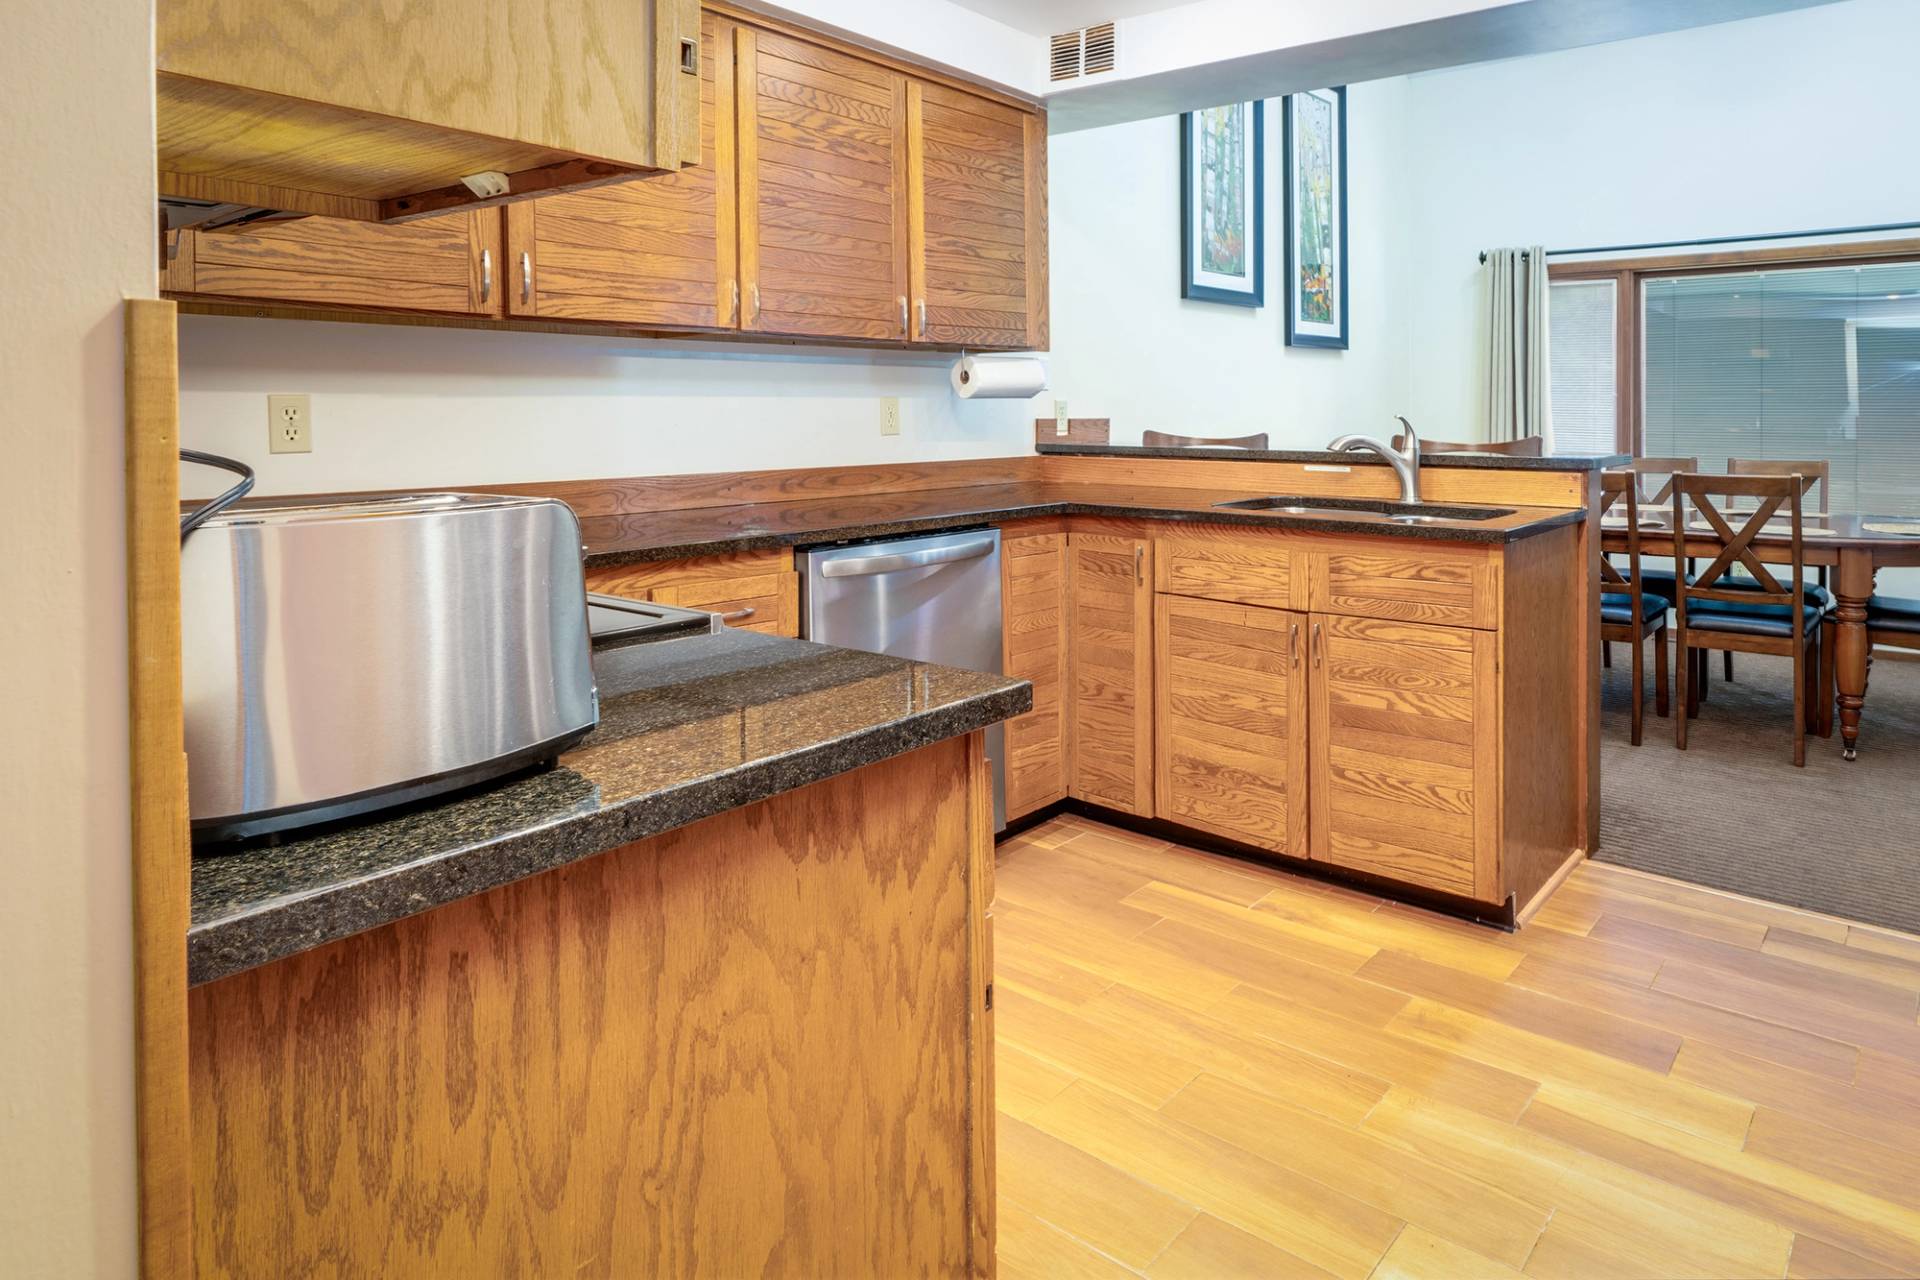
<point x="934" y="598"/>
<point x="342" y="655"/>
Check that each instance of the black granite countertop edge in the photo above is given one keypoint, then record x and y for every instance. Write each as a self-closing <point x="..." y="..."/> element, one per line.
<point x="1469" y="461"/>
<point x="281" y="927"/>
<point x="1462" y="531"/>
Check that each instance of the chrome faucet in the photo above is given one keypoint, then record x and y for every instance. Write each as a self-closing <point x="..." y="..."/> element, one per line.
<point x="1405" y="460"/>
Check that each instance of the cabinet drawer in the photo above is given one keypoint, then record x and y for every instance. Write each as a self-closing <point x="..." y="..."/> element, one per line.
<point x="1449" y="588"/>
<point x="766" y="602"/>
<point x="1238" y="570"/>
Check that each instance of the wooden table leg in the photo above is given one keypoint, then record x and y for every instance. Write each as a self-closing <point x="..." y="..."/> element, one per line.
<point x="1852" y="585"/>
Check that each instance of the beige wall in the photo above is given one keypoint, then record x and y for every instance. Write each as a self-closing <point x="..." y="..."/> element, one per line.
<point x="76" y="93"/>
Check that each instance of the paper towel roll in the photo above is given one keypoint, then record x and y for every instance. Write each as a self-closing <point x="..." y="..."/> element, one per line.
<point x="976" y="378"/>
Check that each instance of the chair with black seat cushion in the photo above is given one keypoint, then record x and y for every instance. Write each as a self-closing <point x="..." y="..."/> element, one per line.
<point x="1627" y="611"/>
<point x="1893" y="622"/>
<point x="1818" y="474"/>
<point x="1771" y="616"/>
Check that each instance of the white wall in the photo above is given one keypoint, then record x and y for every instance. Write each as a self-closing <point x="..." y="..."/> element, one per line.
<point x="397" y="406"/>
<point x="1790" y="122"/>
<point x="1125" y="344"/>
<point x="76" y="91"/>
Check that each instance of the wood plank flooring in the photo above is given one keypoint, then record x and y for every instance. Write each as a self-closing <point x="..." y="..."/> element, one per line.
<point x="1211" y="1069"/>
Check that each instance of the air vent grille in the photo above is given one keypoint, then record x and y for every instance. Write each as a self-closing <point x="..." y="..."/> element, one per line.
<point x="1085" y="52"/>
<point x="1097" y="48"/>
<point x="1066" y="55"/>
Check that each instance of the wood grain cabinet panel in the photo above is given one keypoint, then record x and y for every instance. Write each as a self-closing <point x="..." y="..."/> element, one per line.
<point x="1453" y="586"/>
<point x="1110" y="635"/>
<point x="978" y="220"/>
<point x="1231" y="567"/>
<point x="1034" y="569"/>
<point x="657" y="251"/>
<point x="765" y="602"/>
<point x="1230" y="721"/>
<point x="1405" y="752"/>
<point x="822" y="152"/>
<point x="451" y="264"/>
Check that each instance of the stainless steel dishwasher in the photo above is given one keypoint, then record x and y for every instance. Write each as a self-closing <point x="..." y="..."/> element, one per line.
<point x="935" y="598"/>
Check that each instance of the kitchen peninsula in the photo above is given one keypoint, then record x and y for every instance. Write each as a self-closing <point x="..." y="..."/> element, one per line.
<point x="711" y="995"/>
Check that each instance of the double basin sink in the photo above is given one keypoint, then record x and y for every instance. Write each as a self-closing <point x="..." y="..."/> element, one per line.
<point x="1347" y="508"/>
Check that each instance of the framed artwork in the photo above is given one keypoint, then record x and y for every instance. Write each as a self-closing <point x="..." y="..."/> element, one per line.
<point x="1222" y="205"/>
<point x="1314" y="130"/>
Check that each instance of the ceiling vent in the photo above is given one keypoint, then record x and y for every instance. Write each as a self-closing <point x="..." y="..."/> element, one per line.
<point x="1085" y="52"/>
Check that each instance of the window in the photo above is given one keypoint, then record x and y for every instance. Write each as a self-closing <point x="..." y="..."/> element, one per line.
<point x="1776" y="353"/>
<point x="1790" y="362"/>
<point x="1581" y="344"/>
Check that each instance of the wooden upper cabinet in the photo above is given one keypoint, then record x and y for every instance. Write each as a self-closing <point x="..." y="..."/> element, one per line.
<point x="658" y="251"/>
<point x="1405" y="748"/>
<point x="978" y="220"/>
<point x="376" y="112"/>
<point x="1110" y="643"/>
<point x="823" y="194"/>
<point x="449" y="264"/>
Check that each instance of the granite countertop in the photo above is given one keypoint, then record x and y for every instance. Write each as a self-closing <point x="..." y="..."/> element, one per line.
<point x="1484" y="461"/>
<point x="671" y="535"/>
<point x="688" y="728"/>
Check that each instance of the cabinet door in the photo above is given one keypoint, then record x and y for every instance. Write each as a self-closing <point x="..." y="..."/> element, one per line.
<point x="823" y="194"/>
<point x="450" y="263"/>
<point x="1034" y="567"/>
<point x="1230" y="721"/>
<point x="1110" y="637"/>
<point x="979" y="219"/>
<point x="648" y="251"/>
<point x="1405" y="739"/>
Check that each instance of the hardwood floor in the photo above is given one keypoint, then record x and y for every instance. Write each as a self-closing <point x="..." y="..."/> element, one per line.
<point x="1210" y="1069"/>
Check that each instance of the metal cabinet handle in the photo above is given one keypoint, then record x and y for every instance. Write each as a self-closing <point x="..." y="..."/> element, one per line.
<point x="903" y="315"/>
<point x="1293" y="642"/>
<point x="733" y="316"/>
<point x="486" y="276"/>
<point x="526" y="277"/>
<point x="739" y="615"/>
<point x="756" y="301"/>
<point x="1140" y="565"/>
<point x="923" y="317"/>
<point x="1316" y="645"/>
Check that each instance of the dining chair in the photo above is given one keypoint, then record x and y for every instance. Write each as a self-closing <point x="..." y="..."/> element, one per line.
<point x="1526" y="447"/>
<point x="1164" y="439"/>
<point x="1627" y="611"/>
<point x="1769" y="617"/>
<point x="1816" y="472"/>
<point x="1893" y="622"/>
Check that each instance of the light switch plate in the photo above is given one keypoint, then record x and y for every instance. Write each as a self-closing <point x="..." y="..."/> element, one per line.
<point x="289" y="424"/>
<point x="1060" y="425"/>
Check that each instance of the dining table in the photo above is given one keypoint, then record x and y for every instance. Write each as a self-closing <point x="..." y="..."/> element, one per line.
<point x="1854" y="548"/>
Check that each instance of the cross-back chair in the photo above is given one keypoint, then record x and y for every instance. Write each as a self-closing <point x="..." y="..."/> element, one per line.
<point x="1765" y="615"/>
<point x="1627" y="610"/>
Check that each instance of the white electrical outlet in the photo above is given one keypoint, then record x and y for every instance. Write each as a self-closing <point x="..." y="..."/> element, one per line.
<point x="1060" y="417"/>
<point x="289" y="424"/>
<point x="890" y="416"/>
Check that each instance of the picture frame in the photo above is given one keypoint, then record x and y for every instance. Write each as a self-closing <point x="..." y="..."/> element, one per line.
<point x="1223" y="204"/>
<point x="1314" y="170"/>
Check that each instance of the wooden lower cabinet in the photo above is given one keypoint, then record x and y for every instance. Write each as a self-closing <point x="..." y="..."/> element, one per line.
<point x="1033" y="569"/>
<point x="1110" y="639"/>
<point x="1230" y="721"/>
<point x="751" y="591"/>
<point x="1405" y="752"/>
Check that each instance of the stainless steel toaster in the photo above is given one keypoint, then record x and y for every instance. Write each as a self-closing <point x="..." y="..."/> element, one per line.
<point x="345" y="655"/>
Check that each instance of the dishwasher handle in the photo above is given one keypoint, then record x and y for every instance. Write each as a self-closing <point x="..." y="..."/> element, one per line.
<point x="866" y="565"/>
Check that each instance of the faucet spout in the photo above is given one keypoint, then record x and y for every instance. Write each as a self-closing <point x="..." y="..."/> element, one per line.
<point x="1404" y="460"/>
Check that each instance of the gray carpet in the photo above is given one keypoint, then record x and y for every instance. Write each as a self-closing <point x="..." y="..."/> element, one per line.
<point x="1732" y="812"/>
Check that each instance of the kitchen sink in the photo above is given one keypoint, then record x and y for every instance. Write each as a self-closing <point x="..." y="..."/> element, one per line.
<point x="1346" y="508"/>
